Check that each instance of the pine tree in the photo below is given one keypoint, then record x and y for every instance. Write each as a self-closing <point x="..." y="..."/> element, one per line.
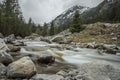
<point x="52" y="29"/>
<point x="76" y="23"/>
<point x="39" y="30"/>
<point x="12" y="17"/>
<point x="45" y="29"/>
<point x="30" y="26"/>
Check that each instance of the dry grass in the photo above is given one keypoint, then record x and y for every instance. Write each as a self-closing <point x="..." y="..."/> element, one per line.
<point x="97" y="33"/>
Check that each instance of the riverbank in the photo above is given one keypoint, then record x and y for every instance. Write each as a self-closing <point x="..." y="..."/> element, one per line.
<point x="36" y="59"/>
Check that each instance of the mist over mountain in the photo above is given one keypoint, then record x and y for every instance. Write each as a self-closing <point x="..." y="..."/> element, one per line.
<point x="47" y="10"/>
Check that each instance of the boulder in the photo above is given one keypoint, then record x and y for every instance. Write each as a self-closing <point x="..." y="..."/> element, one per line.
<point x="98" y="70"/>
<point x="1" y="35"/>
<point x="18" y="37"/>
<point x="92" y="45"/>
<point x="18" y="43"/>
<point x="58" y="39"/>
<point x="3" y="46"/>
<point x="23" y="68"/>
<point x="45" y="39"/>
<point x="36" y="48"/>
<point x="111" y="49"/>
<point x="44" y="57"/>
<point x="62" y="73"/>
<point x="46" y="77"/>
<point x="13" y="48"/>
<point x="10" y="38"/>
<point x="3" y="70"/>
<point x="5" y="58"/>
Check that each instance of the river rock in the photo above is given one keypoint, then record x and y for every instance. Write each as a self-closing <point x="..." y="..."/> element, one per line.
<point x="47" y="77"/>
<point x="22" y="69"/>
<point x="58" y="39"/>
<point x="45" y="39"/>
<point x="36" y="48"/>
<point x="3" y="70"/>
<point x="5" y="58"/>
<point x="62" y="73"/>
<point x="18" y="37"/>
<point x="3" y="46"/>
<point x="111" y="49"/>
<point x="92" y="45"/>
<point x="13" y="48"/>
<point x="10" y="38"/>
<point x="98" y="70"/>
<point x="18" y="43"/>
<point x="44" y="57"/>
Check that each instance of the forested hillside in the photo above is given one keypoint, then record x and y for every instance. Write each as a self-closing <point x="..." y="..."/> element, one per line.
<point x="13" y="22"/>
<point x="107" y="11"/>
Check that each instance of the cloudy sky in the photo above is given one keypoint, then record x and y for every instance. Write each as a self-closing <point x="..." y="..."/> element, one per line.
<point x="46" y="10"/>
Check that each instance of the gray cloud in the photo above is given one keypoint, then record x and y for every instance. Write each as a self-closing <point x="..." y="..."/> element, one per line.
<point x="45" y="10"/>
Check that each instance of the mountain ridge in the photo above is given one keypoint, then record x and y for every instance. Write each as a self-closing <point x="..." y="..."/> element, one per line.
<point x="66" y="16"/>
<point x="107" y="11"/>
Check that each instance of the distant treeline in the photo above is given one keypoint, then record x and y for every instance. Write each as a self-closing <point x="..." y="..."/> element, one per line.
<point x="13" y="22"/>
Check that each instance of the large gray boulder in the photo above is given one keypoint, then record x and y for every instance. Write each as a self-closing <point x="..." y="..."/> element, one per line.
<point x="46" y="77"/>
<point x="3" y="46"/>
<point x="5" y="58"/>
<point x="98" y="70"/>
<point x="10" y="38"/>
<point x="3" y="70"/>
<point x="44" y="57"/>
<point x="22" y="69"/>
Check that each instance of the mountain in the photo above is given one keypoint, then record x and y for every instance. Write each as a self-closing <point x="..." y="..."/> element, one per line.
<point x="107" y="11"/>
<point x="66" y="16"/>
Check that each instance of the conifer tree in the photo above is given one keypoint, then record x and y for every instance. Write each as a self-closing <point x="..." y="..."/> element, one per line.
<point x="45" y="29"/>
<point x="52" y="29"/>
<point x="76" y="23"/>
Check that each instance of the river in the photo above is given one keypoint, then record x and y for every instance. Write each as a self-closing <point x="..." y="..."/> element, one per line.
<point x="78" y="56"/>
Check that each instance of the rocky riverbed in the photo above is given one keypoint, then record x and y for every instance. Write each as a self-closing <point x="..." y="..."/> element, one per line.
<point x="57" y="59"/>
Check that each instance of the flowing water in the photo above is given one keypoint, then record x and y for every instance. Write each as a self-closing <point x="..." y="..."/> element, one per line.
<point x="80" y="55"/>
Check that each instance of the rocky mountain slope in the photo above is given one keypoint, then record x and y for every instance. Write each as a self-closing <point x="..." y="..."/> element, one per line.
<point x="66" y="16"/>
<point x="107" y="11"/>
